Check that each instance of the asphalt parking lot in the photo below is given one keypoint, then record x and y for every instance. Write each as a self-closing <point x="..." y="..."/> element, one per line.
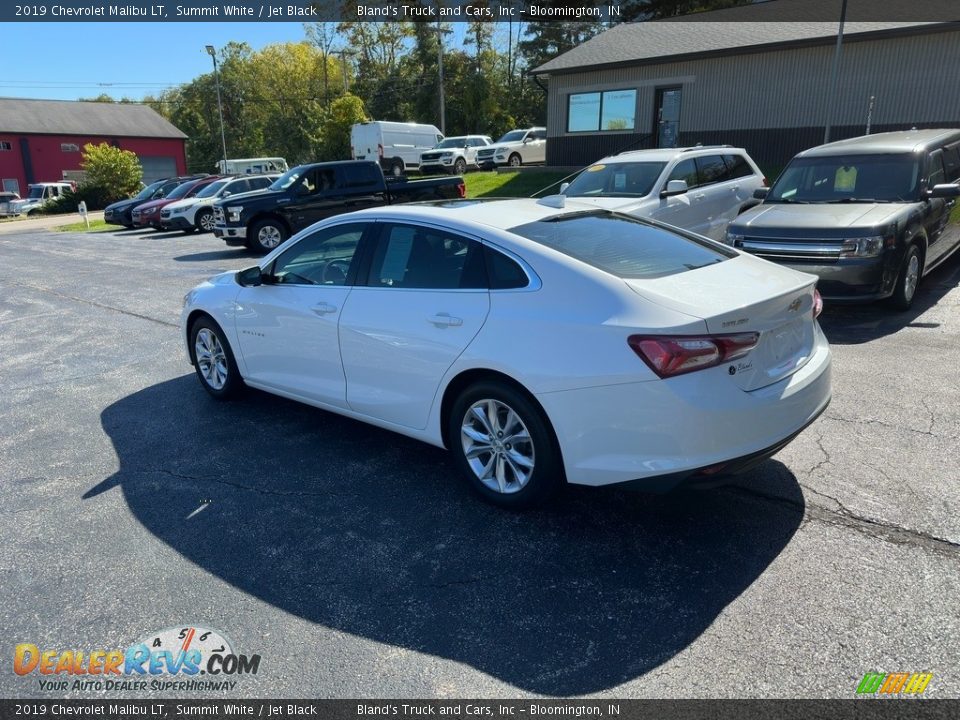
<point x="355" y="563"/>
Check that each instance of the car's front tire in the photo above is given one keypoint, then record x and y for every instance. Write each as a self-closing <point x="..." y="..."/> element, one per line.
<point x="204" y="221"/>
<point x="907" y="281"/>
<point x="266" y="235"/>
<point x="503" y="444"/>
<point x="213" y="359"/>
<point x="460" y="166"/>
<point x="515" y="160"/>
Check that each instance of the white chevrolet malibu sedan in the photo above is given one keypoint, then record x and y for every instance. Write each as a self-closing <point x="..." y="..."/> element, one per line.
<point x="541" y="342"/>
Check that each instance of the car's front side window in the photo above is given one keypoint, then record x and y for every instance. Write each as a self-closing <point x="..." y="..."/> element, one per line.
<point x="409" y="256"/>
<point x="685" y="170"/>
<point x="323" y="258"/>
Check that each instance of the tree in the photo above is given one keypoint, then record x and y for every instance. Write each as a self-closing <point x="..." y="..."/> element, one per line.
<point x="117" y="173"/>
<point x="345" y="112"/>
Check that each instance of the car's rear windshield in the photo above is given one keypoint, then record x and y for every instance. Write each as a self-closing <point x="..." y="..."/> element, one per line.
<point x="622" y="245"/>
<point x="624" y="179"/>
<point x="849" y="178"/>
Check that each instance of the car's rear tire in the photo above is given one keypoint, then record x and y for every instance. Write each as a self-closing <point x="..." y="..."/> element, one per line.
<point x="204" y="221"/>
<point x="213" y="359"/>
<point x="189" y="231"/>
<point x="459" y="166"/>
<point x="908" y="279"/>
<point x="266" y="235"/>
<point x="396" y="168"/>
<point x="503" y="444"/>
<point x="515" y="160"/>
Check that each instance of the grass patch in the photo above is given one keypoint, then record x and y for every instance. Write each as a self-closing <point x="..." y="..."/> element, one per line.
<point x="95" y="226"/>
<point x="955" y="214"/>
<point x="510" y="184"/>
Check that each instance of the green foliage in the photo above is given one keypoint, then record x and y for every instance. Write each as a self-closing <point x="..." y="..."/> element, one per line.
<point x="345" y="112"/>
<point x="95" y="196"/>
<point x="117" y="171"/>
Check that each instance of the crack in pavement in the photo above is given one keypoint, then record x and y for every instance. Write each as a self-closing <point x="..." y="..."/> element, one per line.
<point x="842" y="516"/>
<point x="93" y="303"/>
<point x="883" y="423"/>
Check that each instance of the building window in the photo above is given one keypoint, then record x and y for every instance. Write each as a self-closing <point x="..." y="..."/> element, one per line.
<point x="600" y="111"/>
<point x="4" y="145"/>
<point x="69" y="147"/>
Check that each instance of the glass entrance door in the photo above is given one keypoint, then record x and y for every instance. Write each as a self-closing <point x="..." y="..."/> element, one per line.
<point x="668" y="116"/>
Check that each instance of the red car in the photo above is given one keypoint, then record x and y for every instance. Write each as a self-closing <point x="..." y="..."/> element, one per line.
<point x="148" y="214"/>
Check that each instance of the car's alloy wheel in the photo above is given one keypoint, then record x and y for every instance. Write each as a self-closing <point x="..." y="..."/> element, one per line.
<point x="908" y="279"/>
<point x="213" y="359"/>
<point x="460" y="166"/>
<point x="205" y="221"/>
<point x="504" y="445"/>
<point x="497" y="446"/>
<point x="267" y="235"/>
<point x="396" y="169"/>
<point x="514" y="161"/>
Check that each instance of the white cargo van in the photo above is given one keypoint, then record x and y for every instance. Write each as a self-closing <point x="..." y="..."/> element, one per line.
<point x="395" y="145"/>
<point x="252" y="166"/>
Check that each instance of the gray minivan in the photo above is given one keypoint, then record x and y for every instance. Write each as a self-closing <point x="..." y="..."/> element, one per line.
<point x="869" y="215"/>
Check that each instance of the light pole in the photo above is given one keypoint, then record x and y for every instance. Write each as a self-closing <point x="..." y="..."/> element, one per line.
<point x="216" y="73"/>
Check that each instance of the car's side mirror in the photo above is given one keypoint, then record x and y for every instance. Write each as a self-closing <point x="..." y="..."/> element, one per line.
<point x="526" y="140"/>
<point x="226" y="194"/>
<point x="761" y="193"/>
<point x="251" y="277"/>
<point x="945" y="190"/>
<point x="675" y="187"/>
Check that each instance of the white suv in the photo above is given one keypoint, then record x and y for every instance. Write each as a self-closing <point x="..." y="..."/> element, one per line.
<point x="700" y="189"/>
<point x="517" y="147"/>
<point x="196" y="213"/>
<point x="454" y="154"/>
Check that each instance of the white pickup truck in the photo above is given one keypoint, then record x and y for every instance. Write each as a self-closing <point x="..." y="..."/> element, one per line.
<point x="39" y="194"/>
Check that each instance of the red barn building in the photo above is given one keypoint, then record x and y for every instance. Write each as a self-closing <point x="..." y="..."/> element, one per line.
<point x="42" y="140"/>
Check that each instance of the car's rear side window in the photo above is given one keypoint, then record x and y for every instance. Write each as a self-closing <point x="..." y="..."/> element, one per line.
<point x="623" y="246"/>
<point x="737" y="166"/>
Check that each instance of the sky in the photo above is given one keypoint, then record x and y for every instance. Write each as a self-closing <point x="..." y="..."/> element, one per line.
<point x="66" y="61"/>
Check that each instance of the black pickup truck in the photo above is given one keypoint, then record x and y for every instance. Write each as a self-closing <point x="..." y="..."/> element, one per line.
<point x="309" y="193"/>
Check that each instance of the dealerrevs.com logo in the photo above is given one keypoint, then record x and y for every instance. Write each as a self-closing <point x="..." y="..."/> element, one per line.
<point x="900" y="684"/>
<point x="172" y="659"/>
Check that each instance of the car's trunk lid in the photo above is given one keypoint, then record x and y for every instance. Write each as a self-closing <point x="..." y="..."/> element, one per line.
<point x="742" y="295"/>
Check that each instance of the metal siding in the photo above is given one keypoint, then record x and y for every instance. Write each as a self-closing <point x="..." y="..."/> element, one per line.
<point x="790" y="88"/>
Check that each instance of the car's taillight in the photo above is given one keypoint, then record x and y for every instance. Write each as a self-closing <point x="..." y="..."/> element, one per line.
<point x="817" y="304"/>
<point x="671" y="355"/>
<point x="462" y="189"/>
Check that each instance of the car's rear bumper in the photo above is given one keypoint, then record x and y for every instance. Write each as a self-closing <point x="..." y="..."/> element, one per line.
<point x="661" y="433"/>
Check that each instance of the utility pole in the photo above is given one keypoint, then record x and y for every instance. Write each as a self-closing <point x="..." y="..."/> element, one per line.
<point x="836" y="73"/>
<point x="343" y="53"/>
<point x="216" y="72"/>
<point x="443" y="110"/>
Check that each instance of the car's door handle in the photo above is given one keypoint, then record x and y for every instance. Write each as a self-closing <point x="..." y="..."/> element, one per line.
<point x="735" y="188"/>
<point x="445" y="320"/>
<point x="699" y="197"/>
<point x="324" y="308"/>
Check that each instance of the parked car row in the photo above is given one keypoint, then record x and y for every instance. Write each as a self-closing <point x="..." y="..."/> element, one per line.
<point x="400" y="147"/>
<point x="867" y="216"/>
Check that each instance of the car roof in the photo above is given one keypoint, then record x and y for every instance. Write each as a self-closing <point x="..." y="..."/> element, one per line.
<point x="489" y="213"/>
<point x="668" y="154"/>
<point x="888" y="142"/>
